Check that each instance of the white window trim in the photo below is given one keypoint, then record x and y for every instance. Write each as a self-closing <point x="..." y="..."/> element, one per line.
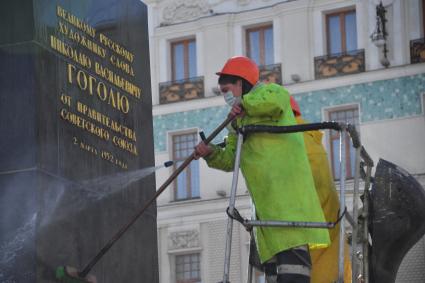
<point x="170" y="41"/>
<point x="169" y="150"/>
<point x="239" y="35"/>
<point x="414" y="17"/>
<point x="183" y="131"/>
<point x="253" y="26"/>
<point x="185" y="251"/>
<point x="172" y="259"/>
<point x="319" y="26"/>
<point x="164" y="54"/>
<point x="325" y="117"/>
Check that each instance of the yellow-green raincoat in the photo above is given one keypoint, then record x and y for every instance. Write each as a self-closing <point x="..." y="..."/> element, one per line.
<point x="276" y="171"/>
<point x="325" y="261"/>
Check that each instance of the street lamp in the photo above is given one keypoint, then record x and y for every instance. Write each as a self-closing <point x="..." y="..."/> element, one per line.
<point x="379" y="36"/>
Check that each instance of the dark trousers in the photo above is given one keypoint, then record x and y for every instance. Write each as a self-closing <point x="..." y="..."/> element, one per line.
<point x="290" y="266"/>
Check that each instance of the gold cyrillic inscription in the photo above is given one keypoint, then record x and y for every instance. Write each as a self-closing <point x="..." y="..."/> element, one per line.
<point x="91" y="85"/>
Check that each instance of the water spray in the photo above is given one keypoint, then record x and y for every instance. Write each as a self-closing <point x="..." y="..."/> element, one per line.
<point x="63" y="201"/>
<point x="70" y="275"/>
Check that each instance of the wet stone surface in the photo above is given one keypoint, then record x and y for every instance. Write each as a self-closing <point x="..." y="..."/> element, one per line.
<point x="75" y="111"/>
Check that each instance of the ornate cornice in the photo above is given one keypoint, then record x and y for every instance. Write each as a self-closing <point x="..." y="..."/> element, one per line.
<point x="178" y="11"/>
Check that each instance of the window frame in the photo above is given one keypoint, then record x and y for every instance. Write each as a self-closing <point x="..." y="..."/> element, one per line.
<point x="341" y="14"/>
<point x="186" y="57"/>
<point x="191" y="280"/>
<point x="334" y="135"/>
<point x="261" y="29"/>
<point x="188" y="170"/>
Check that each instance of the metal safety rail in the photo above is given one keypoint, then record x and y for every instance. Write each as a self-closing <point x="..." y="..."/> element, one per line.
<point x="358" y="258"/>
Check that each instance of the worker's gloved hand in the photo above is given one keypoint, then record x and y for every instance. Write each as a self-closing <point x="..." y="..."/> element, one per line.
<point x="202" y="150"/>
<point x="236" y="111"/>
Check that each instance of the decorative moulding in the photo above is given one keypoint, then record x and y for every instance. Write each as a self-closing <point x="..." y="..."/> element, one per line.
<point x="179" y="11"/>
<point x="183" y="240"/>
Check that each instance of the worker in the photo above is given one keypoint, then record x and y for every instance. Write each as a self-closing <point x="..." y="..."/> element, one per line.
<point x="275" y="168"/>
<point x="324" y="261"/>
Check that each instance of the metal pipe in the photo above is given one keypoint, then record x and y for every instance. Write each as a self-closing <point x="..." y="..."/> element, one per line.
<point x="291" y="129"/>
<point x="250" y="271"/>
<point x="349" y="218"/>
<point x="342" y="158"/>
<point x="231" y="208"/>
<point x="367" y="159"/>
<point x="271" y="223"/>
<point x="354" y="259"/>
<point x="170" y="179"/>
<point x="365" y="215"/>
<point x="354" y="135"/>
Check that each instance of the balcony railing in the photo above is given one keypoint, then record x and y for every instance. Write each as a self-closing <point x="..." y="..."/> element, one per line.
<point x="271" y="73"/>
<point x="181" y="90"/>
<point x="339" y="64"/>
<point x="417" y="50"/>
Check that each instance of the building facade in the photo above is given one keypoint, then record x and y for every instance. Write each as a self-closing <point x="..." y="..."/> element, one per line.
<point x="322" y="51"/>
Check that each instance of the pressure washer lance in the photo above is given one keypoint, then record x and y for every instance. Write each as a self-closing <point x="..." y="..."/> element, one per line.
<point x="70" y="275"/>
<point x="168" y="163"/>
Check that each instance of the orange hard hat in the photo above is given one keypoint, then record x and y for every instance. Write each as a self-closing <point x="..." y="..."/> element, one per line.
<point x="295" y="107"/>
<point x="243" y="67"/>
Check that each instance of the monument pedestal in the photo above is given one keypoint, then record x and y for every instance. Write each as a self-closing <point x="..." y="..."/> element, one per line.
<point x="75" y="106"/>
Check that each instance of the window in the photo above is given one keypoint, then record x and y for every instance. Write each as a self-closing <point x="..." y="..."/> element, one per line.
<point x="183" y="59"/>
<point x="188" y="268"/>
<point x="187" y="183"/>
<point x="350" y="115"/>
<point x="341" y="32"/>
<point x="259" y="45"/>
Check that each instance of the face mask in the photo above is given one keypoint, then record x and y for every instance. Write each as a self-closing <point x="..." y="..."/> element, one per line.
<point x="230" y="99"/>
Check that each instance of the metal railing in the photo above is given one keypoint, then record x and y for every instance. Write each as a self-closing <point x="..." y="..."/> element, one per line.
<point x="339" y="64"/>
<point x="271" y="73"/>
<point x="181" y="90"/>
<point x="417" y="51"/>
<point x="359" y="259"/>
